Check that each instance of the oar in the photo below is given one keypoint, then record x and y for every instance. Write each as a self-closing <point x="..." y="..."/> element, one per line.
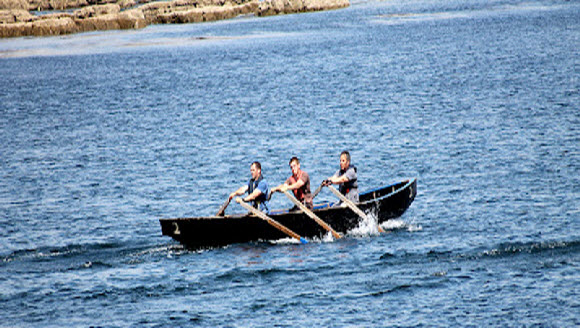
<point x="311" y="215"/>
<point x="352" y="206"/>
<point x="271" y="221"/>
<point x="318" y="189"/>
<point x="223" y="208"/>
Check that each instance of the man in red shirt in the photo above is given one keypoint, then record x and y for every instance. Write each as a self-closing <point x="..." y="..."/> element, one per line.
<point x="299" y="183"/>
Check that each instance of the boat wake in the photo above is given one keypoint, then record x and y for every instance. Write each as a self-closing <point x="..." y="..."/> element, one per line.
<point x="399" y="224"/>
<point x="327" y="238"/>
<point x="285" y="241"/>
<point x="370" y="227"/>
<point x="366" y="227"/>
<point x="394" y="225"/>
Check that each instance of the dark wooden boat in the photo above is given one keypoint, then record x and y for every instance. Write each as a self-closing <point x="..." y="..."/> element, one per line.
<point x="384" y="203"/>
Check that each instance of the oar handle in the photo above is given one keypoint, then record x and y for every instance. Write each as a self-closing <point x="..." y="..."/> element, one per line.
<point x="318" y="189"/>
<point x="223" y="208"/>
<point x="271" y="221"/>
<point x="311" y="214"/>
<point x="352" y="206"/>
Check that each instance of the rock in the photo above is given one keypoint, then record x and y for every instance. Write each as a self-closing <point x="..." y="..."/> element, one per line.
<point x="38" y="5"/>
<point x="56" y="4"/>
<point x="96" y="10"/>
<point x="15" y="16"/>
<point x="278" y="7"/>
<point x="131" y="19"/>
<point x="107" y="14"/>
<point x="15" y="30"/>
<point x="185" y="16"/>
<point x="126" y="3"/>
<point x="13" y="4"/>
<point x="317" y="5"/>
<point x="53" y="26"/>
<point x="98" y="23"/>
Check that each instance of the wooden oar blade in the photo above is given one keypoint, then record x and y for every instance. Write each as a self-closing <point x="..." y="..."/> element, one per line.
<point x="271" y="221"/>
<point x="352" y="206"/>
<point x="312" y="215"/>
<point x="223" y="207"/>
<point x="318" y="190"/>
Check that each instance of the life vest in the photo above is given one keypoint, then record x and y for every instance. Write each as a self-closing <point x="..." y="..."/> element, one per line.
<point x="298" y="193"/>
<point x="346" y="187"/>
<point x="252" y="185"/>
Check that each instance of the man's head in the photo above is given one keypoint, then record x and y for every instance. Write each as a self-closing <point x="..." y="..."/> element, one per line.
<point x="294" y="165"/>
<point x="344" y="160"/>
<point x="256" y="170"/>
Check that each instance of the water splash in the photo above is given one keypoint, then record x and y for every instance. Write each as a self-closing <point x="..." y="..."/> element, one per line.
<point x="366" y="227"/>
<point x="327" y="238"/>
<point x="285" y="241"/>
<point x="169" y="249"/>
<point x="399" y="224"/>
<point x="394" y="225"/>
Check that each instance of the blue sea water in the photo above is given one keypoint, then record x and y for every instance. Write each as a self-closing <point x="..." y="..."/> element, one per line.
<point x="102" y="134"/>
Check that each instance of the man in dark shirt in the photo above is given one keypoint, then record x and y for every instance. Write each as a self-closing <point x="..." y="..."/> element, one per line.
<point x="346" y="178"/>
<point x="257" y="189"/>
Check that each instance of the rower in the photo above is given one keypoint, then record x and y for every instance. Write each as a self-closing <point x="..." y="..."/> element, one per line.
<point x="346" y="178"/>
<point x="299" y="183"/>
<point x="257" y="189"/>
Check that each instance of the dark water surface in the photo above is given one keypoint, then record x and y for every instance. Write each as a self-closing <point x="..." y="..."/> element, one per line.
<point x="102" y="134"/>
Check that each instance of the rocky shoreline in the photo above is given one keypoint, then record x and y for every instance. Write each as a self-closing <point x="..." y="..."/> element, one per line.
<point x="57" y="17"/>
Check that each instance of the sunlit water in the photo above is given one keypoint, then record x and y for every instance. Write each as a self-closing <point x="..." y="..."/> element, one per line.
<point x="104" y="133"/>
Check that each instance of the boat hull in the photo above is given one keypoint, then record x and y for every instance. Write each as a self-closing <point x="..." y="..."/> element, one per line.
<point x="384" y="203"/>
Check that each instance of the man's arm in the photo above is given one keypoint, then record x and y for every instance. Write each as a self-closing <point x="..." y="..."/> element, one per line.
<point x="238" y="192"/>
<point x="286" y="186"/>
<point x="252" y="196"/>
<point x="338" y="180"/>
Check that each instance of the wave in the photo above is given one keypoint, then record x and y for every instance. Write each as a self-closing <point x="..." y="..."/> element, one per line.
<point x="515" y="248"/>
<point x="88" y="256"/>
<point x="435" y="14"/>
<point x="57" y="251"/>
<point x="244" y="274"/>
<point x="90" y="265"/>
<point x="502" y="250"/>
<point x="370" y="227"/>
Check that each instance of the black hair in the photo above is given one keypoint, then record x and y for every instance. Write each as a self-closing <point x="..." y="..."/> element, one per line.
<point x="294" y="159"/>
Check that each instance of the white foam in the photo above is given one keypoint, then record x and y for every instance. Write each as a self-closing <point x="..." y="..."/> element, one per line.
<point x="414" y="228"/>
<point x="393" y="224"/>
<point x="328" y="238"/>
<point x="366" y="227"/>
<point x="399" y="224"/>
<point x="285" y="241"/>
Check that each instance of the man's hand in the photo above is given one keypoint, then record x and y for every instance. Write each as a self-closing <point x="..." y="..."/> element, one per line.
<point x="280" y="188"/>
